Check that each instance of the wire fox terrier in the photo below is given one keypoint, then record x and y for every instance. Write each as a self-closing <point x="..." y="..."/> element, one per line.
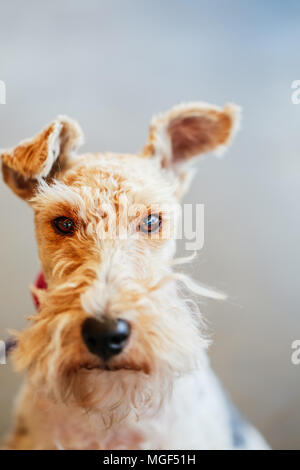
<point x="115" y="357"/>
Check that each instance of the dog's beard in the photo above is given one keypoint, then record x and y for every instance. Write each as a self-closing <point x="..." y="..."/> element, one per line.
<point x="117" y="395"/>
<point x="123" y="393"/>
<point x="167" y="344"/>
<point x="126" y="391"/>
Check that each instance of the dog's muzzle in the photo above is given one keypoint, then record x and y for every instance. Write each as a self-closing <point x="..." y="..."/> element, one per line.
<point x="106" y="337"/>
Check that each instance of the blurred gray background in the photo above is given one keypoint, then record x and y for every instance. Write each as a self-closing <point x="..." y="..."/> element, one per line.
<point x="112" y="64"/>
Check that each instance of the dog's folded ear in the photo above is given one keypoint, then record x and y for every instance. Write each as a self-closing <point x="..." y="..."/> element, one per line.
<point x="40" y="157"/>
<point x="188" y="130"/>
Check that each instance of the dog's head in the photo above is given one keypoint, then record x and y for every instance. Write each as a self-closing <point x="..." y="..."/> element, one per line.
<point x="111" y="332"/>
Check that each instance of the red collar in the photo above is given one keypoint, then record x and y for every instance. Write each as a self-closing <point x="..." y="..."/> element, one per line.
<point x="40" y="283"/>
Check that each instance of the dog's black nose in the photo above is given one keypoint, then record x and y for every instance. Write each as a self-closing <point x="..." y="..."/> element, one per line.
<point x="106" y="337"/>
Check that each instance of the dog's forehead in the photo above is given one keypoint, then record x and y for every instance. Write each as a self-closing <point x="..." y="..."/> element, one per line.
<point x="94" y="182"/>
<point x="114" y="174"/>
<point x="96" y="169"/>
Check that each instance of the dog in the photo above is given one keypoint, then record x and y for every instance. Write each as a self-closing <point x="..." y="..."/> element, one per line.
<point x="115" y="357"/>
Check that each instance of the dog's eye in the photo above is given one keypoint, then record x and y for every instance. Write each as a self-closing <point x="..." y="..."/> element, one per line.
<point x="151" y="223"/>
<point x="64" y="225"/>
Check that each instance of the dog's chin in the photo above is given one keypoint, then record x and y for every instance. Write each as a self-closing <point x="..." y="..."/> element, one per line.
<point x="116" y="391"/>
